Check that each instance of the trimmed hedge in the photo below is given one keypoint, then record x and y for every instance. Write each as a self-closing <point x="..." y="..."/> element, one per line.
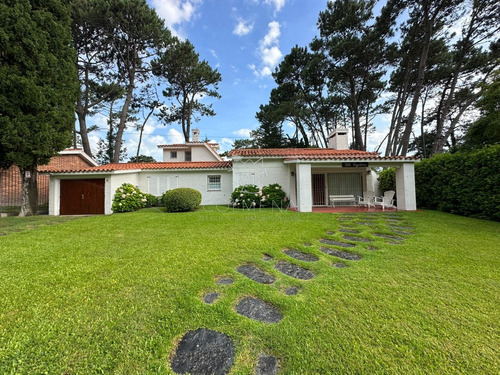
<point x="464" y="183"/>
<point x="181" y="200"/>
<point x="387" y="180"/>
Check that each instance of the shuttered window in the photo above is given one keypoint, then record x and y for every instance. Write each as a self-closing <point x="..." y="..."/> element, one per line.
<point x="345" y="184"/>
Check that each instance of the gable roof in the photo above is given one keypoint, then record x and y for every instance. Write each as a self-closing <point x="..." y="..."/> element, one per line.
<point x="313" y="154"/>
<point x="113" y="167"/>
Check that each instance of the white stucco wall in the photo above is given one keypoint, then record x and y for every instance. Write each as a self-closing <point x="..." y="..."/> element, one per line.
<point x="201" y="153"/>
<point x="261" y="173"/>
<point x="157" y="183"/>
<point x="405" y="187"/>
<point x="167" y="158"/>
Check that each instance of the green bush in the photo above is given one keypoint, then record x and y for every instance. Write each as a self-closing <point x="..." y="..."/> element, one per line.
<point x="246" y="196"/>
<point x="464" y="183"/>
<point x="151" y="200"/>
<point x="181" y="200"/>
<point x="274" y="196"/>
<point x="250" y="196"/>
<point x="387" y="180"/>
<point x="128" y="198"/>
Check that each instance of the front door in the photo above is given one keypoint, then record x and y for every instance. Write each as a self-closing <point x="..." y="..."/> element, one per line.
<point x="318" y="186"/>
<point x="82" y="197"/>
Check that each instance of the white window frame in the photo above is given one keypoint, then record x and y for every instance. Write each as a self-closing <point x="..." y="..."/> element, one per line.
<point x="210" y="184"/>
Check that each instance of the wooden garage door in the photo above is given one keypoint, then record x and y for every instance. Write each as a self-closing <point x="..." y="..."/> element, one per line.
<point x="82" y="197"/>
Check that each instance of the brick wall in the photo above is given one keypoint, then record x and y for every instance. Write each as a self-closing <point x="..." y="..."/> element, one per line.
<point x="10" y="181"/>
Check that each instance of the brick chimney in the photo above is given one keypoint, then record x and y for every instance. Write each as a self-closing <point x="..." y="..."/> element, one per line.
<point x="338" y="139"/>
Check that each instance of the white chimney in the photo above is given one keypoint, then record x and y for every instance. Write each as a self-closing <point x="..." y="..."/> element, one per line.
<point x="196" y="135"/>
<point x="338" y="139"/>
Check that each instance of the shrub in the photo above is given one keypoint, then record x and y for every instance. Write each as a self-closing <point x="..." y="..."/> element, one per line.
<point x="387" y="180"/>
<point x="128" y="198"/>
<point x="274" y="196"/>
<point x="246" y="196"/>
<point x="181" y="199"/>
<point x="250" y="196"/>
<point x="464" y="183"/>
<point x="151" y="200"/>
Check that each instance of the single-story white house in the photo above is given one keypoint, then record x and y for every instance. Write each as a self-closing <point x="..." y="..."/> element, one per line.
<point x="308" y="175"/>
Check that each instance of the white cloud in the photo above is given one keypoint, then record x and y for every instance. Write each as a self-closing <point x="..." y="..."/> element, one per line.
<point x="271" y="56"/>
<point x="225" y="144"/>
<point x="243" y="27"/>
<point x="214" y="54"/>
<point x="273" y="34"/>
<point x="174" y="136"/>
<point x="243" y="133"/>
<point x="176" y="12"/>
<point x="278" y="4"/>
<point x="268" y="51"/>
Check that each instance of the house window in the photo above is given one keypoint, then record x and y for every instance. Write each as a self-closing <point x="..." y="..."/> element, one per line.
<point x="214" y="183"/>
<point x="187" y="156"/>
<point x="173" y="154"/>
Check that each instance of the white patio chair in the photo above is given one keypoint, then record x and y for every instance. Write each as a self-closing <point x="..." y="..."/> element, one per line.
<point x="386" y="201"/>
<point x="367" y="199"/>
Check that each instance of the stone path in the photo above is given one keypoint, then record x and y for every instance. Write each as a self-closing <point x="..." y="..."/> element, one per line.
<point x="256" y="274"/>
<point x="207" y="352"/>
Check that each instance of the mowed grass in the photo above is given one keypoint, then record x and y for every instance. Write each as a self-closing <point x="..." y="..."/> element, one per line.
<point x="115" y="294"/>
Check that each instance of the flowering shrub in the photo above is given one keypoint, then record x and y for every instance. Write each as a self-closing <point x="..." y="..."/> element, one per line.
<point x="128" y="198"/>
<point x="250" y="196"/>
<point x="246" y="196"/>
<point x="274" y="196"/>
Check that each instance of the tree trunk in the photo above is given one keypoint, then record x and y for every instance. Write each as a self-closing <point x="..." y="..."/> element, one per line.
<point x="29" y="199"/>
<point x="82" y="122"/>
<point x="142" y="130"/>
<point x="123" y="119"/>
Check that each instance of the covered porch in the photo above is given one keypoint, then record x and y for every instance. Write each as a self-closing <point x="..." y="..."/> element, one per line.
<point x="334" y="186"/>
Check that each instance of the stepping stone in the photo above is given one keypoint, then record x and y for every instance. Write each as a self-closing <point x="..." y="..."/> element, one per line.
<point x="340" y="254"/>
<point x="329" y="233"/>
<point x="267" y="257"/>
<point x="225" y="281"/>
<point x="355" y="238"/>
<point x="371" y="248"/>
<point x="307" y="244"/>
<point x="345" y="230"/>
<point x="339" y="265"/>
<point x="266" y="365"/>
<point x="366" y="223"/>
<point x="345" y="218"/>
<point x="258" y="310"/>
<point x="336" y="243"/>
<point x="255" y="274"/>
<point x="387" y="236"/>
<point x="292" y="291"/>
<point x="292" y="270"/>
<point x="299" y="255"/>
<point x="3" y="234"/>
<point x="204" y="352"/>
<point x="210" y="297"/>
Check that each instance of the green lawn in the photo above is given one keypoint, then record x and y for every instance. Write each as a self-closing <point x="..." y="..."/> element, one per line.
<point x="114" y="294"/>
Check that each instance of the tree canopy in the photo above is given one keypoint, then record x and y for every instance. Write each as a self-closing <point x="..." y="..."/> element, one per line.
<point x="38" y="87"/>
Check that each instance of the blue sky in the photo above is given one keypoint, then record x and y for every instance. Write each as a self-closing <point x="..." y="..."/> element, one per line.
<point x="245" y="40"/>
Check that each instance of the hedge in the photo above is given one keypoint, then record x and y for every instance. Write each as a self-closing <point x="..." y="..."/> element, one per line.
<point x="464" y="183"/>
<point x="181" y="200"/>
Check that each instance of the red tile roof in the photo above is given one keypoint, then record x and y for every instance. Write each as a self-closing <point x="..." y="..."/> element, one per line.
<point x="146" y="166"/>
<point x="313" y="154"/>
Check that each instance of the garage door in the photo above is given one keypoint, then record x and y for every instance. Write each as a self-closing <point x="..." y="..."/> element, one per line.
<point x="82" y="197"/>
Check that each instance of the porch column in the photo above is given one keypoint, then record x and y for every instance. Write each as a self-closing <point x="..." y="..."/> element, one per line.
<point x="304" y="188"/>
<point x="405" y="187"/>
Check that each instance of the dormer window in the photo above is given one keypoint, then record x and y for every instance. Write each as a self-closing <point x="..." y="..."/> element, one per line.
<point x="173" y="154"/>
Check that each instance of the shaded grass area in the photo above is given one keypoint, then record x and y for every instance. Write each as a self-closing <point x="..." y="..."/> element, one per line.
<point x="13" y="224"/>
<point x="114" y="294"/>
